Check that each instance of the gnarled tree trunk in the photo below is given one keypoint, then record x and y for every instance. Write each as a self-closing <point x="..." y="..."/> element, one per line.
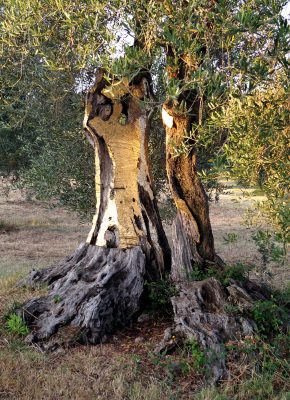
<point x="99" y="287"/>
<point x="193" y="243"/>
<point x="200" y="308"/>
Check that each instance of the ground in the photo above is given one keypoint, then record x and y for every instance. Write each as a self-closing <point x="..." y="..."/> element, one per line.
<point x="35" y="234"/>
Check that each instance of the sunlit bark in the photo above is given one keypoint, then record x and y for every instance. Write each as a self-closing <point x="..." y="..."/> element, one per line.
<point x="100" y="286"/>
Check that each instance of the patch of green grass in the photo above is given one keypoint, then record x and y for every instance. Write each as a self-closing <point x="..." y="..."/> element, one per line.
<point x="16" y="325"/>
<point x="57" y="299"/>
<point x="269" y="317"/>
<point x="197" y="354"/>
<point x="230" y="238"/>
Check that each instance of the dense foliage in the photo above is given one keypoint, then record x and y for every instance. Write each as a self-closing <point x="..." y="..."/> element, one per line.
<point x="235" y="55"/>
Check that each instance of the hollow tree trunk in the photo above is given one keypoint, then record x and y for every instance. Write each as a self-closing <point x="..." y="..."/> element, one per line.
<point x="99" y="287"/>
<point x="127" y="213"/>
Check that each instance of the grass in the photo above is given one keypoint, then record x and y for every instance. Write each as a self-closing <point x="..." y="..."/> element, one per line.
<point x="6" y="226"/>
<point x="121" y="369"/>
<point x="76" y="375"/>
<point x="124" y="370"/>
<point x="16" y="266"/>
<point x="36" y="223"/>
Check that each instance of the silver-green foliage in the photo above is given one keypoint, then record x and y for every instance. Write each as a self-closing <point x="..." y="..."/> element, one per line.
<point x="236" y="60"/>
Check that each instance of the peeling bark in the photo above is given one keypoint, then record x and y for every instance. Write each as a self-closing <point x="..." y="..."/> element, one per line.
<point x="127" y="213"/>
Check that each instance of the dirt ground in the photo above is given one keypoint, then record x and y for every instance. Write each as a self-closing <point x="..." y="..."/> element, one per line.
<point x="35" y="234"/>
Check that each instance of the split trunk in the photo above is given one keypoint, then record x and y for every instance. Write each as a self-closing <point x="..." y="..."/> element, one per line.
<point x="100" y="286"/>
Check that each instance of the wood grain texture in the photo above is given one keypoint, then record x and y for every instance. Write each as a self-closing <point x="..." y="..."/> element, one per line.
<point x="200" y="314"/>
<point x="96" y="290"/>
<point x="126" y="205"/>
<point x="99" y="287"/>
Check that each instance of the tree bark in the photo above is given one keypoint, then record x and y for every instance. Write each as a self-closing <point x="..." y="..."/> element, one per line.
<point x="201" y="307"/>
<point x="193" y="243"/>
<point x="99" y="287"/>
<point x="201" y="315"/>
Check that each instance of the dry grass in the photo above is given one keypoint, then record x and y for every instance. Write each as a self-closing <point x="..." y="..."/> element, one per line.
<point x="38" y="234"/>
<point x="29" y="375"/>
<point x="34" y="235"/>
<point x="124" y="370"/>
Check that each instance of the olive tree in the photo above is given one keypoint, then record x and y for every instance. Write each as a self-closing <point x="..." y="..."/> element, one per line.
<point x="206" y="53"/>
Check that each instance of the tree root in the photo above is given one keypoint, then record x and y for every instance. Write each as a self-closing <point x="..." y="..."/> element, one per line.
<point x="200" y="314"/>
<point x="95" y="289"/>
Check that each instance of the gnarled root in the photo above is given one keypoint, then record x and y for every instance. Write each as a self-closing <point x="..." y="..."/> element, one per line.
<point x="96" y="289"/>
<point x="200" y="313"/>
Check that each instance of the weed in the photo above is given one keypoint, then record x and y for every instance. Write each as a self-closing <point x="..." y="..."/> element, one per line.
<point x="137" y="363"/>
<point x="17" y="345"/>
<point x="57" y="299"/>
<point x="282" y="297"/>
<point x="238" y="272"/>
<point x="178" y="366"/>
<point x="268" y="371"/>
<point x="16" y="325"/>
<point x="232" y="309"/>
<point x="159" y="294"/>
<point x="269" y="317"/>
<point x="231" y="238"/>
<point x="198" y="274"/>
<point x="194" y="350"/>
<point x="270" y="250"/>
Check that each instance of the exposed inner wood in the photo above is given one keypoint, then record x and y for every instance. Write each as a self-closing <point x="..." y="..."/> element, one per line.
<point x="118" y="150"/>
<point x="100" y="286"/>
<point x="126" y="212"/>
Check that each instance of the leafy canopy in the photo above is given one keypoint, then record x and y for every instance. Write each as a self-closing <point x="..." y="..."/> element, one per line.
<point x="234" y="54"/>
